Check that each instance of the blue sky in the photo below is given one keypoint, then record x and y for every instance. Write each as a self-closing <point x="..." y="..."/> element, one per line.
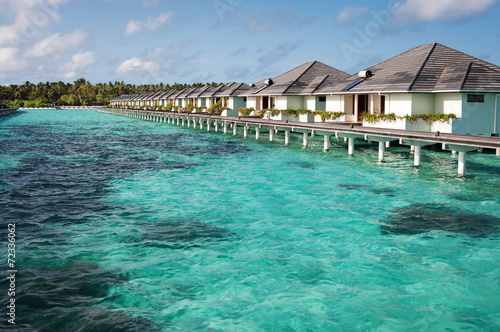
<point x="153" y="41"/>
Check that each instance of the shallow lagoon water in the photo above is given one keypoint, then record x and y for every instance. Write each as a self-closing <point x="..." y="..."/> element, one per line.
<point x="125" y="224"/>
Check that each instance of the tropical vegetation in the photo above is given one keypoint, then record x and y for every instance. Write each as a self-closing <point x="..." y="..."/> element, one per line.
<point x="79" y="93"/>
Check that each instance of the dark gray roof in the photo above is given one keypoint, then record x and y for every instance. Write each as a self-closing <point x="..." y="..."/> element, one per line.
<point x="147" y="96"/>
<point x="135" y="97"/>
<point x="175" y="94"/>
<point x="185" y="93"/>
<point x="242" y="90"/>
<point x="170" y="93"/>
<point x="211" y="91"/>
<point x="119" y="98"/>
<point x="426" y="68"/>
<point x="197" y="92"/>
<point x="157" y="95"/>
<point x="233" y="90"/>
<point x="295" y="81"/>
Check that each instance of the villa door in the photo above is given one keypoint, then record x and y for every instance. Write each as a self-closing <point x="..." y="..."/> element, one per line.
<point x="349" y="108"/>
<point x="363" y="106"/>
<point x="265" y="102"/>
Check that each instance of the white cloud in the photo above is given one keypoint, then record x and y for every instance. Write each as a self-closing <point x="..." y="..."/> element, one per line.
<point x="152" y="24"/>
<point x="433" y="10"/>
<point x="11" y="61"/>
<point x="160" y="62"/>
<point x="80" y="63"/>
<point x="56" y="44"/>
<point x="136" y="66"/>
<point x="134" y="27"/>
<point x="351" y="14"/>
<point x="27" y="19"/>
<point x="155" y="24"/>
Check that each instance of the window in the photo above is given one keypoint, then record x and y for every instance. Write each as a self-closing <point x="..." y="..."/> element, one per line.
<point x="475" y="98"/>
<point x="322" y="99"/>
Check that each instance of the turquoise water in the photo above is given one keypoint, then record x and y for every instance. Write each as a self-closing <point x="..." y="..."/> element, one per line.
<point x="136" y="225"/>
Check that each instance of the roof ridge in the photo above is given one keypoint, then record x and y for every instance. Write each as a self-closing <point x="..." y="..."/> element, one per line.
<point x="422" y="67"/>
<point x="462" y="84"/>
<point x="298" y="78"/>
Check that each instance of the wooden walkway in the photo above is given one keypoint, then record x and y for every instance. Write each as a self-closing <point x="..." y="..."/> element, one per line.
<point x="349" y="131"/>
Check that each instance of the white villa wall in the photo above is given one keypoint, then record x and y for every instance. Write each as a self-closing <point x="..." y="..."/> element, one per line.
<point x="335" y="103"/>
<point x="282" y="102"/>
<point x="423" y="103"/>
<point x="289" y="102"/>
<point x="252" y="102"/>
<point x="310" y="102"/>
<point x="294" y="102"/>
<point x="446" y="103"/>
<point x="399" y="104"/>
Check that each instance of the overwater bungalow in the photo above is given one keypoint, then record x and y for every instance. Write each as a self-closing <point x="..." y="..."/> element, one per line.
<point x="425" y="82"/>
<point x="194" y="96"/>
<point x="183" y="99"/>
<point x="294" y="89"/>
<point x="165" y="97"/>
<point x="207" y="98"/>
<point x="429" y="88"/>
<point x="233" y="96"/>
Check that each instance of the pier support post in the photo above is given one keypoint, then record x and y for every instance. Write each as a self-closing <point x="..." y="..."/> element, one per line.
<point x="216" y="123"/>
<point x="418" y="155"/>
<point x="189" y="122"/>
<point x="208" y="125"/>
<point x="245" y="131"/>
<point x="201" y="124"/>
<point x="326" y="143"/>
<point x="461" y="162"/>
<point x="178" y="121"/>
<point x="225" y="127"/>
<point x="350" y="148"/>
<point x="271" y="135"/>
<point x="183" y="122"/>
<point x="381" y="150"/>
<point x="349" y="138"/>
<point x="287" y="137"/>
<point x="305" y="140"/>
<point x="235" y="129"/>
<point x="462" y="154"/>
<point x="498" y="152"/>
<point x="417" y="145"/>
<point x="257" y="133"/>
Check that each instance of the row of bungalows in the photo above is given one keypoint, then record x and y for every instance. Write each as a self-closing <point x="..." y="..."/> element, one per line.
<point x="430" y="87"/>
